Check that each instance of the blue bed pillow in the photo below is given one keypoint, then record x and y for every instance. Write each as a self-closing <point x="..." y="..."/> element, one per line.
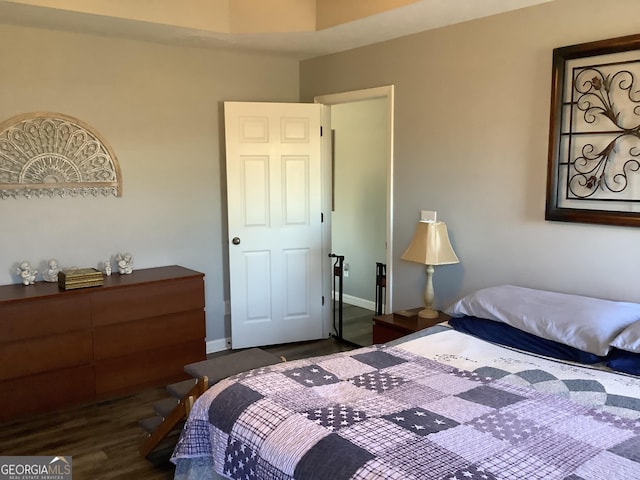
<point x="623" y="361"/>
<point x="504" y="334"/>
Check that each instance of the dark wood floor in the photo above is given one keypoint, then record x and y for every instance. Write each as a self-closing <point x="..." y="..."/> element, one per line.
<point x="103" y="437"/>
<point x="357" y="326"/>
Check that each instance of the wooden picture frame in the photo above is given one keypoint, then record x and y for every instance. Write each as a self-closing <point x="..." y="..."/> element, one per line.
<point x="593" y="172"/>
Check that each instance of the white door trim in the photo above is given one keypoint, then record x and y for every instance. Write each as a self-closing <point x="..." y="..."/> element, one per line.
<point x="387" y="92"/>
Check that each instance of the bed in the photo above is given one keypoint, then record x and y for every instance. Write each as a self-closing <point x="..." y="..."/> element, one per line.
<point x="440" y="404"/>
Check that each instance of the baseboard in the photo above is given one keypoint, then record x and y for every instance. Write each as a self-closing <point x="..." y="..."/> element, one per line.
<point x="218" y="345"/>
<point x="358" y="302"/>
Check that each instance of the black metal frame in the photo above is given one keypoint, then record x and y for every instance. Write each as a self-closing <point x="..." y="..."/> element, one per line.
<point x="338" y="277"/>
<point x="381" y="287"/>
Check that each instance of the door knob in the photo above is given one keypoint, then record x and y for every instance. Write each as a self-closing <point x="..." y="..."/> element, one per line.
<point x="236" y="241"/>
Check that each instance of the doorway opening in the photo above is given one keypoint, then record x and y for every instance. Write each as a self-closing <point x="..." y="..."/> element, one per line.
<point x="359" y="185"/>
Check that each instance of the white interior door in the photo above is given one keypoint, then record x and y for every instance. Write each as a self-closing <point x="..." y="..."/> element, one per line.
<point x="274" y="199"/>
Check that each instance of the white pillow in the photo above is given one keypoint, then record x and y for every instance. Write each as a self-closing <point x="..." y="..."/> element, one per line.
<point x="629" y="339"/>
<point x="586" y="323"/>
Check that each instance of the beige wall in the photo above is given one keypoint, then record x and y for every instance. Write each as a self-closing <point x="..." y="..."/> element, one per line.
<point x="471" y="127"/>
<point x="160" y="109"/>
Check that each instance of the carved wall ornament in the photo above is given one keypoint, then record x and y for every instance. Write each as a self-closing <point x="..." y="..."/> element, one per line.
<point x="49" y="154"/>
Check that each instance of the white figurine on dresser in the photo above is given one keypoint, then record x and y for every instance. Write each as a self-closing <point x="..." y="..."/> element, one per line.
<point x="51" y="273"/>
<point x="125" y="263"/>
<point x="27" y="273"/>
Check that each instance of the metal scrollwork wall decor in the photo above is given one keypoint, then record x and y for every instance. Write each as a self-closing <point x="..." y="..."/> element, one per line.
<point x="51" y="154"/>
<point x="594" y="140"/>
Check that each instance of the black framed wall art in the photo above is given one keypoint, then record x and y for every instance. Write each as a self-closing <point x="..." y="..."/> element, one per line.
<point x="594" y="138"/>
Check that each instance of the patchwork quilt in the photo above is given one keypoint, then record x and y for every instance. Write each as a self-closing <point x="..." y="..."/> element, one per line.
<point x="386" y="413"/>
<point x="592" y="385"/>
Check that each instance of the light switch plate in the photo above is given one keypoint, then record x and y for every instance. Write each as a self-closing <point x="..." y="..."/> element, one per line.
<point x="428" y="215"/>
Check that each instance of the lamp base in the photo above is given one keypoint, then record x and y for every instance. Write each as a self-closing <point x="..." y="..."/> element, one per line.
<point x="428" y="313"/>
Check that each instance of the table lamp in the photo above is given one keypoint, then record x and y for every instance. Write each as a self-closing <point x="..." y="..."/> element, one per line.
<point x="430" y="246"/>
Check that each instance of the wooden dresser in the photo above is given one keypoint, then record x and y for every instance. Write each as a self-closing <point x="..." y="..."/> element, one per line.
<point x="62" y="347"/>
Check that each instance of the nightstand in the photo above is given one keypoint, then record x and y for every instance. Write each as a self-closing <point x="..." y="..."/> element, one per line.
<point x="393" y="325"/>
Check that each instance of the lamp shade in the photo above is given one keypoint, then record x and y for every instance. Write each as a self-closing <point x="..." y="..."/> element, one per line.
<point x="430" y="245"/>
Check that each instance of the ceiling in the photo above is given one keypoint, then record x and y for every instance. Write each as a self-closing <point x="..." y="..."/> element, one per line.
<point x="416" y="17"/>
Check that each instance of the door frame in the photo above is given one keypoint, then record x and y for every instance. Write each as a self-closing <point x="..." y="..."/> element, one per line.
<point x="387" y="92"/>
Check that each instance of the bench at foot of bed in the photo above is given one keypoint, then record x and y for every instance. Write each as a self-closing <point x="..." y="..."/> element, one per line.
<point x="171" y="413"/>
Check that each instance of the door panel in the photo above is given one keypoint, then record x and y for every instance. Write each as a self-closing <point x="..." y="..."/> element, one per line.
<point x="296" y="282"/>
<point x="255" y="185"/>
<point x="274" y="202"/>
<point x="258" y="291"/>
<point x="296" y="190"/>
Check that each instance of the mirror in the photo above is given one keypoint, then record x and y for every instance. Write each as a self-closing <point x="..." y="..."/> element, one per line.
<point x="359" y="213"/>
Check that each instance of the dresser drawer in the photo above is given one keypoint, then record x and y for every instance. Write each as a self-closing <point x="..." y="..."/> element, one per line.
<point x="144" y="301"/>
<point x="148" y="334"/>
<point x="147" y="369"/>
<point x="45" y="392"/>
<point x="45" y="354"/>
<point x="42" y="317"/>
